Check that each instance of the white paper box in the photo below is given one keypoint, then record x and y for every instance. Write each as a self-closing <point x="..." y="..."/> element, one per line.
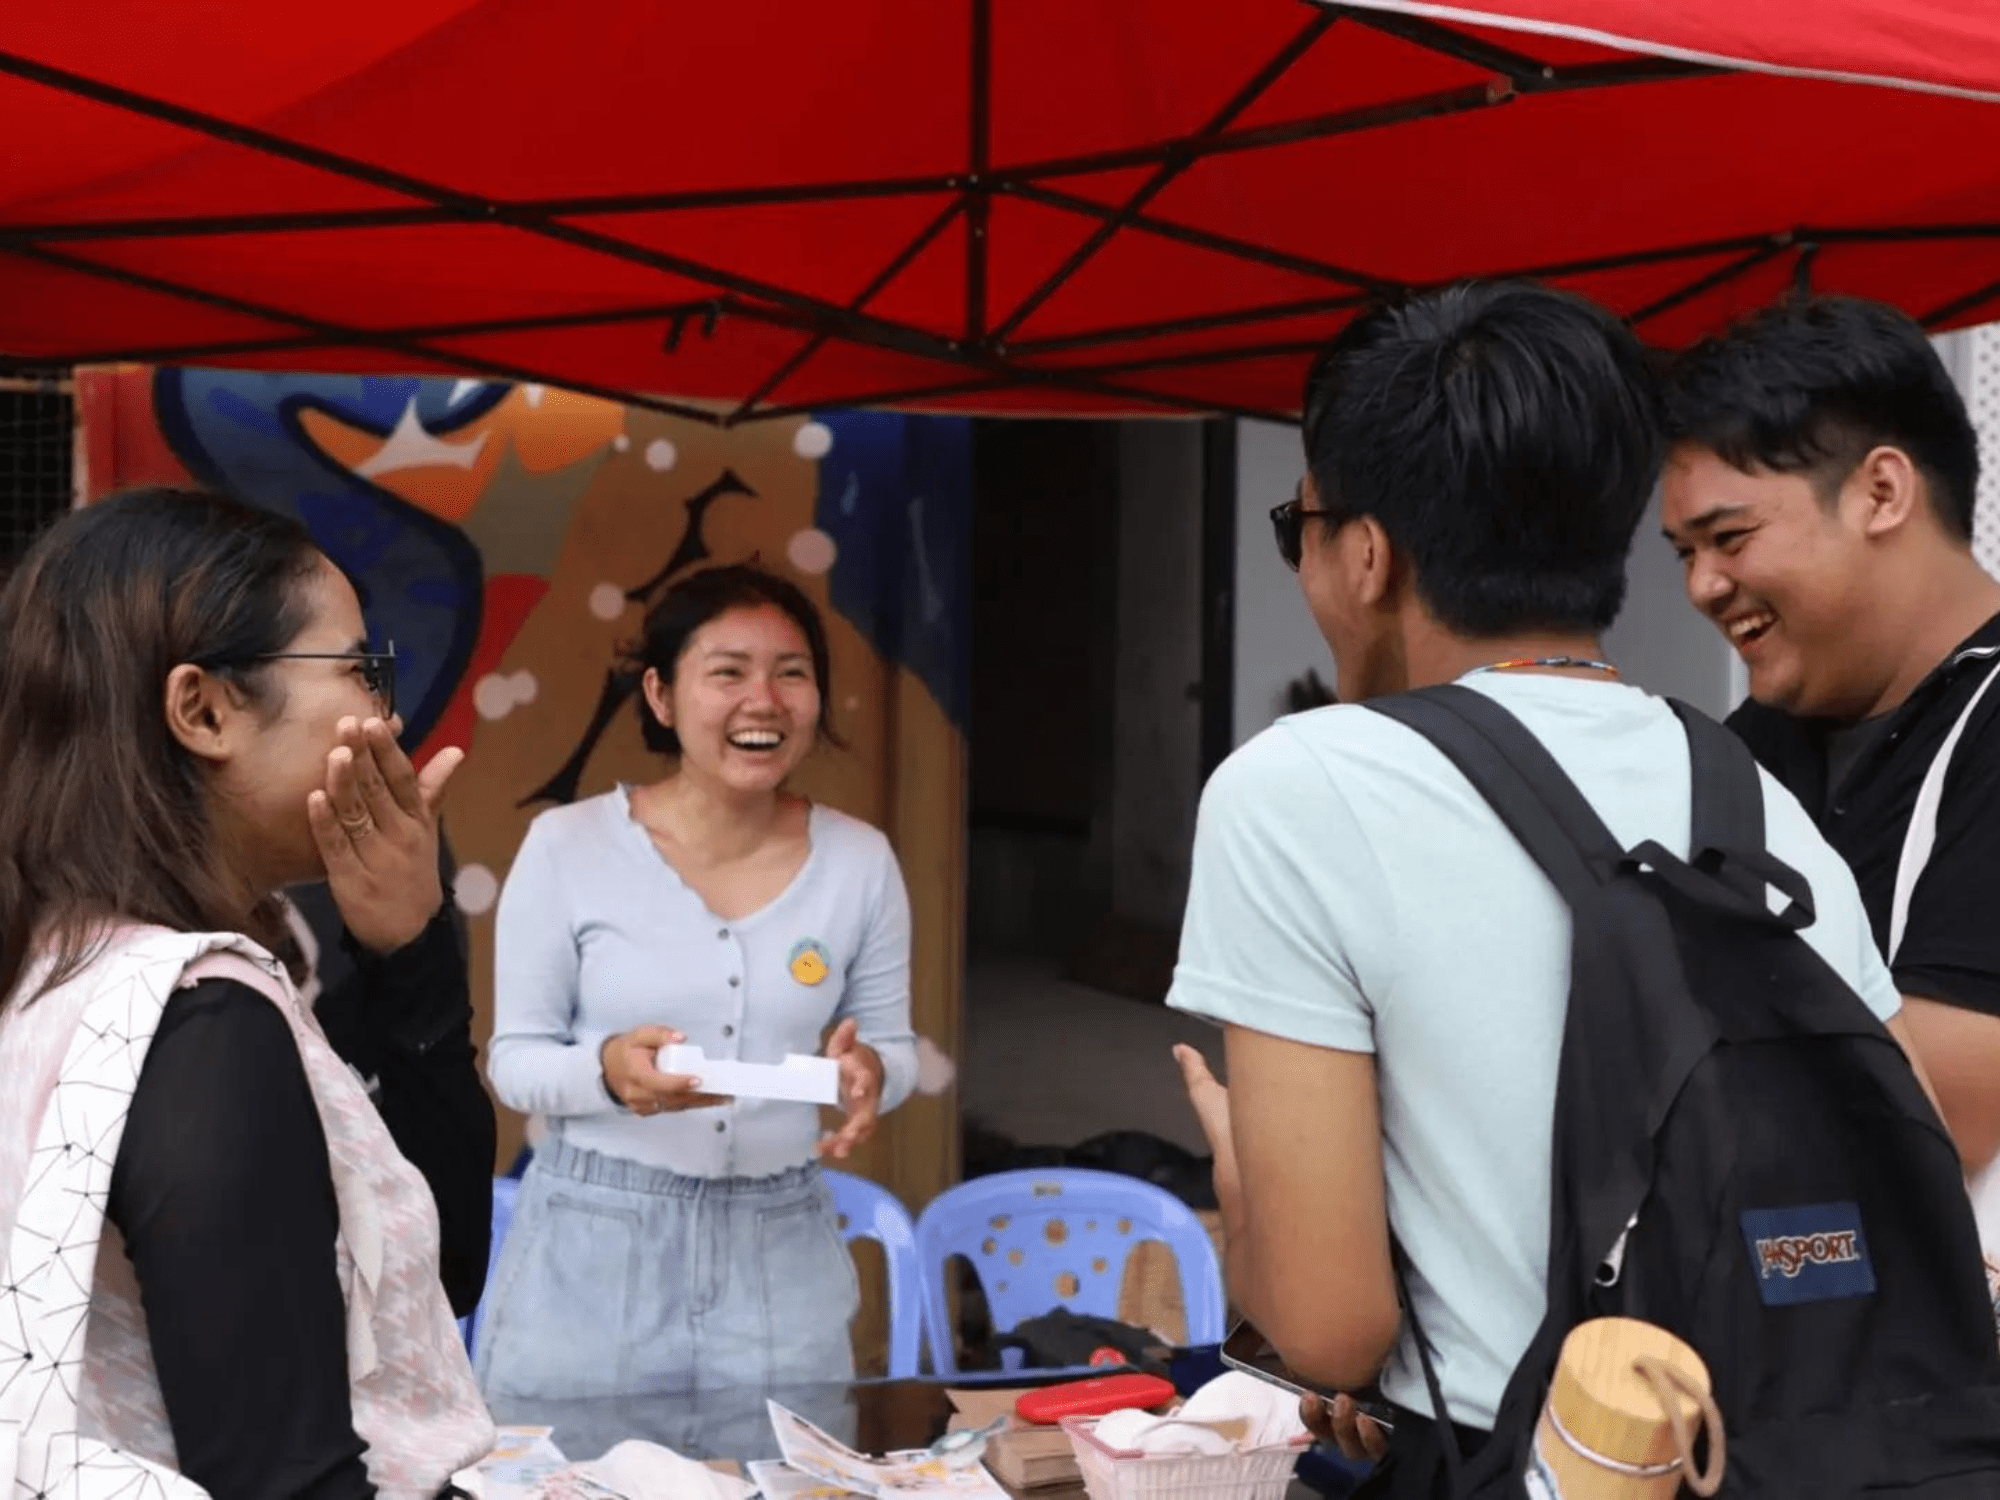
<point x="804" y="1080"/>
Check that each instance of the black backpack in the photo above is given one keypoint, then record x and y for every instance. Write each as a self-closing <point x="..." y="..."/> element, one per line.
<point x="1742" y="1154"/>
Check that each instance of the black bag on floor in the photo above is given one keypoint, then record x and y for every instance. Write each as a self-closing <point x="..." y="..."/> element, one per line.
<point x="1742" y="1154"/>
<point x="1061" y="1339"/>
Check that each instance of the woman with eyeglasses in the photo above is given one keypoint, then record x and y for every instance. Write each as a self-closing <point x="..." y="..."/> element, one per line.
<point x="191" y="720"/>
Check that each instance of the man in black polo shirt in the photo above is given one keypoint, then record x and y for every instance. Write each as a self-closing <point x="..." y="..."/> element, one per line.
<point x="1820" y="495"/>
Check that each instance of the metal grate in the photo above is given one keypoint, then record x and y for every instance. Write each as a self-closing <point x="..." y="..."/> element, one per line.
<point x="1983" y="396"/>
<point x="1978" y="373"/>
<point x="37" y="457"/>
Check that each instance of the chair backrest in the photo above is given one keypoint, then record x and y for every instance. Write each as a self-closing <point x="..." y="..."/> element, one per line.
<point x="870" y="1211"/>
<point x="1042" y="1239"/>
<point x="505" y="1191"/>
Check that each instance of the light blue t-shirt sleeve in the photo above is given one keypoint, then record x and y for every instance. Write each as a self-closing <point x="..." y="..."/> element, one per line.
<point x="1288" y="916"/>
<point x="1876" y="986"/>
<point x="877" y="992"/>
<point x="540" y="1063"/>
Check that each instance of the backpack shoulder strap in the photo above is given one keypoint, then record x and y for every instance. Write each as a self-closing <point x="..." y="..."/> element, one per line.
<point x="1727" y="840"/>
<point x="1728" y="793"/>
<point x="1447" y="1435"/>
<point x="1518" y="777"/>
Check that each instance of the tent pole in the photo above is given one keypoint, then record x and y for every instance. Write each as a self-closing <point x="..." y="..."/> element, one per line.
<point x="978" y="168"/>
<point x="336" y="333"/>
<point x="1709" y="282"/>
<point x="867" y="294"/>
<point x="1183" y="155"/>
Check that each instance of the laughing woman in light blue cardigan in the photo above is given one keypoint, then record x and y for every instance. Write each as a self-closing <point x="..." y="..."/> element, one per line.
<point x="667" y="1239"/>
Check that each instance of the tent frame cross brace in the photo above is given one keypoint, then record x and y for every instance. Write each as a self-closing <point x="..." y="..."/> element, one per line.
<point x="986" y="345"/>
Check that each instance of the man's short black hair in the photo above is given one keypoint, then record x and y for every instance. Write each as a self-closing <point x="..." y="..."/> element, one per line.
<point x="1507" y="438"/>
<point x="1809" y="387"/>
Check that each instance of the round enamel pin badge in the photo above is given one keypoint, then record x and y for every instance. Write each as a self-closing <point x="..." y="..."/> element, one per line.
<point x="809" y="963"/>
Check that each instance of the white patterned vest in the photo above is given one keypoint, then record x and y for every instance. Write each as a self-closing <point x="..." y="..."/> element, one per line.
<point x="414" y="1401"/>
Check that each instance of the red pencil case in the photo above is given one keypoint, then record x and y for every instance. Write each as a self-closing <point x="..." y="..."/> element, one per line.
<point x="1092" y="1398"/>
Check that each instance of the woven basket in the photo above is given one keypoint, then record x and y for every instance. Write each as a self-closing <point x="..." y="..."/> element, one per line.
<point x="1117" y="1474"/>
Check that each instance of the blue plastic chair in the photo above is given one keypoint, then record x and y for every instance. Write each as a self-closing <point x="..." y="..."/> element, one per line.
<point x="505" y="1191"/>
<point x="870" y="1211"/>
<point x="1043" y="1239"/>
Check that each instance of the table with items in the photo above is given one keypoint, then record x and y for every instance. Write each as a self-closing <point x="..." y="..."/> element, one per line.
<point x="896" y="1439"/>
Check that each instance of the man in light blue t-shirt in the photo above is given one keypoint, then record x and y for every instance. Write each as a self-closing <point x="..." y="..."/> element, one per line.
<point x="1391" y="969"/>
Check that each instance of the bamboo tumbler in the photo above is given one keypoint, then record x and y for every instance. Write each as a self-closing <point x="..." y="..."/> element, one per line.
<point x="1624" y="1406"/>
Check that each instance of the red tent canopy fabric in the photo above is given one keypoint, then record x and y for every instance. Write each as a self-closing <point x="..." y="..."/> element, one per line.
<point x="1007" y="205"/>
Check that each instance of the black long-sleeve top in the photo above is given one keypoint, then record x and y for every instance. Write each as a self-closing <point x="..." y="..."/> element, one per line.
<point x="224" y="1194"/>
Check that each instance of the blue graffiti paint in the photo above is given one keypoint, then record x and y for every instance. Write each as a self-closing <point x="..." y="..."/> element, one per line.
<point x="421" y="580"/>
<point x="895" y="494"/>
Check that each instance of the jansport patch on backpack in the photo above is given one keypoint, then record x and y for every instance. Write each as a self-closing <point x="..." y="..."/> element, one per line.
<point x="1742" y="1154"/>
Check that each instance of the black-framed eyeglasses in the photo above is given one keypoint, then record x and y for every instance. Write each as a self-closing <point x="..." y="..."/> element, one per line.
<point x="1288" y="524"/>
<point x="378" y="669"/>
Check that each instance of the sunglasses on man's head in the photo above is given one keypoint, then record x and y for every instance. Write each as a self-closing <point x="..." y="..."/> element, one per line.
<point x="378" y="669"/>
<point x="1288" y="524"/>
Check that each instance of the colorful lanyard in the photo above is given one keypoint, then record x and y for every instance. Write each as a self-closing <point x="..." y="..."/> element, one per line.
<point x="1518" y="663"/>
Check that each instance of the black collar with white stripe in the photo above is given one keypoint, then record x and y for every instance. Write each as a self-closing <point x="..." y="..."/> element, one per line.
<point x="1865" y="816"/>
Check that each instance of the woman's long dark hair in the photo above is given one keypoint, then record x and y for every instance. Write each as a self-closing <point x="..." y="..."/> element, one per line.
<point x="103" y="813"/>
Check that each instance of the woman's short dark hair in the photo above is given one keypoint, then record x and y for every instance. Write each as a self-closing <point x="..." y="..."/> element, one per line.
<point x="104" y="812"/>
<point x="690" y="603"/>
<point x="1507" y="438"/>
<point x="1810" y="386"/>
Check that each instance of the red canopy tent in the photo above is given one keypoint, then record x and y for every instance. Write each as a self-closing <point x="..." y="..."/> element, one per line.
<point x="1009" y="205"/>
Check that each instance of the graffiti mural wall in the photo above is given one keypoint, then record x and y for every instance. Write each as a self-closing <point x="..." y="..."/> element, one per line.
<point x="508" y="538"/>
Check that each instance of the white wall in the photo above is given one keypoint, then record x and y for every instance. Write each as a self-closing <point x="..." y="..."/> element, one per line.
<point x="1973" y="357"/>
<point x="1276" y="639"/>
<point x="1660" y="641"/>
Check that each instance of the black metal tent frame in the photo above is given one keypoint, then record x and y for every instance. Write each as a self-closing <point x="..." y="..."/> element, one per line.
<point x="986" y="346"/>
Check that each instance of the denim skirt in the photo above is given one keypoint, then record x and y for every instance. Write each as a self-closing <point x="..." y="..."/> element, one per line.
<point x="622" y="1279"/>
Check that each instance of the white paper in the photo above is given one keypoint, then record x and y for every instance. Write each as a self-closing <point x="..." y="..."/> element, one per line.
<point x="1235" y="1412"/>
<point x="637" y="1470"/>
<point x="895" y="1476"/>
<point x="780" y="1481"/>
<point x="522" y="1458"/>
<point x="526" y="1465"/>
<point x="802" y="1080"/>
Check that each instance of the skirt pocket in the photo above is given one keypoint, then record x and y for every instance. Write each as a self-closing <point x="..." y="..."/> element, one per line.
<point x="560" y="1324"/>
<point x="811" y="1292"/>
